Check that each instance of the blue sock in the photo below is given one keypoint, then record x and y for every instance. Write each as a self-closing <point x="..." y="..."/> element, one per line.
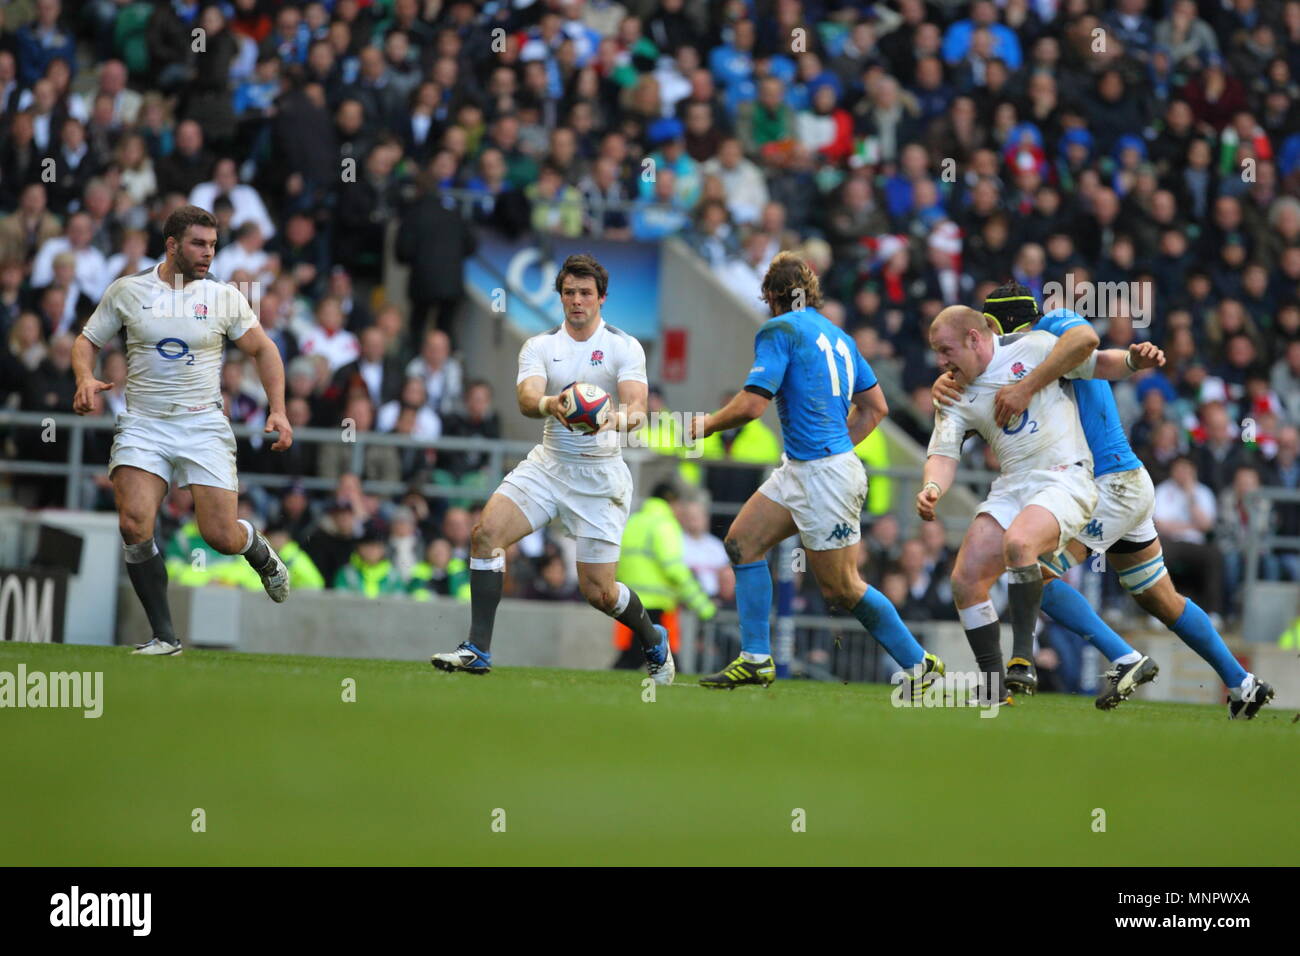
<point x="754" y="602"/>
<point x="882" y="622"/>
<point x="1194" y="627"/>
<point x="1070" y="609"/>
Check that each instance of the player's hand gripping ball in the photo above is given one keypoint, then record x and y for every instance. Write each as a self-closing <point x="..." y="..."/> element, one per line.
<point x="584" y="408"/>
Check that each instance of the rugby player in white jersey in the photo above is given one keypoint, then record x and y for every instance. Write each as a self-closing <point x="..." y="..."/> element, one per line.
<point x="582" y="479"/>
<point x="1045" y="493"/>
<point x="177" y="322"/>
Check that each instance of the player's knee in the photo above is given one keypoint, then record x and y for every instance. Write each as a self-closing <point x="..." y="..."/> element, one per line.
<point x="735" y="553"/>
<point x="844" y="593"/>
<point x="482" y="541"/>
<point x="966" y="590"/>
<point x="601" y="597"/>
<point x="1018" y="551"/>
<point x="135" y="528"/>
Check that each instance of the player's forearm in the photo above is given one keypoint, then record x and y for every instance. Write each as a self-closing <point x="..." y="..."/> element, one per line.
<point x="869" y="410"/>
<point x="1071" y="350"/>
<point x="741" y="410"/>
<point x="939" y="470"/>
<point x="862" y="422"/>
<point x="629" y="416"/>
<point x="270" y="368"/>
<point x="533" y="400"/>
<point x="83" y="359"/>
<point x="1113" y="365"/>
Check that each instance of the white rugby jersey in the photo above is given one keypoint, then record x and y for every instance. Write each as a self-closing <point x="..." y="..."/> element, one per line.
<point x="175" y="338"/>
<point x="610" y="356"/>
<point x="1048" y="433"/>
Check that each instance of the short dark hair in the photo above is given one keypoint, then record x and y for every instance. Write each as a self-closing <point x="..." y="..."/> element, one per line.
<point x="185" y="216"/>
<point x="583" y="266"/>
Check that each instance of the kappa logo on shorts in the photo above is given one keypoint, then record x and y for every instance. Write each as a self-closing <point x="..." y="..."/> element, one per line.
<point x="842" y="531"/>
<point x="597" y="357"/>
<point x="1093" y="528"/>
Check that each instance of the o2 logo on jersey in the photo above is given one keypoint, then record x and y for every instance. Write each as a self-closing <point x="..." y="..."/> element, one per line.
<point x="1020" y="425"/>
<point x="597" y="357"/>
<point x="173" y="349"/>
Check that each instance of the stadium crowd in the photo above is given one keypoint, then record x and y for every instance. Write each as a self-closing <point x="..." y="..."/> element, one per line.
<point x="917" y="153"/>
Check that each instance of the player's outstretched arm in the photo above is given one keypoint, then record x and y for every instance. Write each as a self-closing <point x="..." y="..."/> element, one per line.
<point x="936" y="478"/>
<point x="83" y="367"/>
<point x="869" y="410"/>
<point x="743" y="408"/>
<point x="1073" y="348"/>
<point x="1114" y="365"/>
<point x="270" y="369"/>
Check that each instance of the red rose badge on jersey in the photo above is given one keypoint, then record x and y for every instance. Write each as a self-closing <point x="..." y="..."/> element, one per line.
<point x="200" y="311"/>
<point x="1018" y="370"/>
<point x="597" y="357"/>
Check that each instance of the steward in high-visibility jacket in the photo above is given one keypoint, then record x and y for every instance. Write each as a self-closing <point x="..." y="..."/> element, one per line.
<point x="371" y="578"/>
<point x="874" y="453"/>
<point x="426" y="580"/>
<point x="650" y="563"/>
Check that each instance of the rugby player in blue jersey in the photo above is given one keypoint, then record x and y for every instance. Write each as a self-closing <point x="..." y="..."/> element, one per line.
<point x="829" y="401"/>
<point x="1121" y="525"/>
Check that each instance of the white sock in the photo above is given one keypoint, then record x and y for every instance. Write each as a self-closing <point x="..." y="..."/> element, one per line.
<point x="1236" y="693"/>
<point x="1132" y="657"/>
<point x="755" y="658"/>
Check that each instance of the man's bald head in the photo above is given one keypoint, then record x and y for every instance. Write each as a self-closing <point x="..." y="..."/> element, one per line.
<point x="960" y="319"/>
<point x="962" y="341"/>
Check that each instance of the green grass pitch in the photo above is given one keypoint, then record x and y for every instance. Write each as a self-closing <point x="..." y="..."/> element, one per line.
<point x="412" y="772"/>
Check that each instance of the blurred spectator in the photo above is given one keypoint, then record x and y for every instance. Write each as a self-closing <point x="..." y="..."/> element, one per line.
<point x="373" y="370"/>
<point x="1238" y="521"/>
<point x="440" y="573"/>
<point x="478" y="420"/>
<point x="1185" y="513"/>
<point x="368" y="571"/>
<point x="434" y="242"/>
<point x="377" y="462"/>
<point x="328" y="338"/>
<point x="330" y="543"/>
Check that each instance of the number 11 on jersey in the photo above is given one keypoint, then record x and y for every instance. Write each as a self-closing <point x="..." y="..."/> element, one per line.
<point x="842" y="347"/>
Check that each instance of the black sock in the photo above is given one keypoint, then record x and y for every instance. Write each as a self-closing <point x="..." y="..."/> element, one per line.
<point x="634" y="616"/>
<point x="149" y="578"/>
<point x="1024" y="599"/>
<point x="259" y="555"/>
<point x="986" y="643"/>
<point x="484" y="596"/>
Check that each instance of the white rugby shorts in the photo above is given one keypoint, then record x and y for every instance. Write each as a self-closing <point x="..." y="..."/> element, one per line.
<point x="824" y="496"/>
<point x="1126" y="502"/>
<point x="592" y="499"/>
<point x="196" y="448"/>
<point x="1067" y="491"/>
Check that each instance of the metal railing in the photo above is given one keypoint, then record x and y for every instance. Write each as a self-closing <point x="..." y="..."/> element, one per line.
<point x="70" y="431"/>
<point x="1261" y="540"/>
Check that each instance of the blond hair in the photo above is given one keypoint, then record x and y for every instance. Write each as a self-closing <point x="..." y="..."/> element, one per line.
<point x="790" y="278"/>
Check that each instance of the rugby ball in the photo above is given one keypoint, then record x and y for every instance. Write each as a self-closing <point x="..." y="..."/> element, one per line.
<point x="584" y="407"/>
